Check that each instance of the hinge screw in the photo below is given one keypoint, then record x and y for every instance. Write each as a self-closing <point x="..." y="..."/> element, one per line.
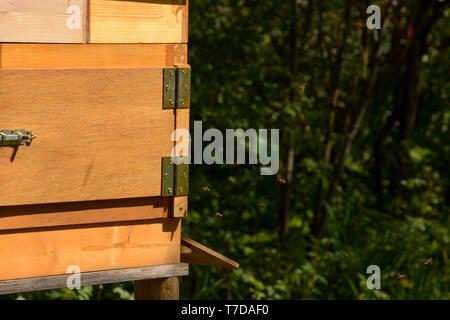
<point x="171" y="102"/>
<point x="169" y="190"/>
<point x="167" y="87"/>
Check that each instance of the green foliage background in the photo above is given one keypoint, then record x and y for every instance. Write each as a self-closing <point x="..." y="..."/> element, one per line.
<point x="242" y="78"/>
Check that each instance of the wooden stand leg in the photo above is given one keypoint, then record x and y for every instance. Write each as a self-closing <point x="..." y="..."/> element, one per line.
<point x="157" y="289"/>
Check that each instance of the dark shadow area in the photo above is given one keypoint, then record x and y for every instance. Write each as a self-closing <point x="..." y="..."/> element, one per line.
<point x="156" y="202"/>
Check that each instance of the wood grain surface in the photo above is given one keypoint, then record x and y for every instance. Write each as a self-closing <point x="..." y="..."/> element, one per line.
<point x="94" y="278"/>
<point x="195" y="253"/>
<point x="88" y="212"/>
<point x="50" y="251"/>
<point x="13" y="55"/>
<point x="180" y="207"/>
<point x="101" y="134"/>
<point x="42" y="21"/>
<point x="154" y="21"/>
<point x="157" y="289"/>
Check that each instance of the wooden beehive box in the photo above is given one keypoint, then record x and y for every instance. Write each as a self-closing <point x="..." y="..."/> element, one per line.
<point x="98" y="83"/>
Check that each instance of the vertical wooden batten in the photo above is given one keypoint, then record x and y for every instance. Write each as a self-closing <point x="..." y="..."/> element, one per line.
<point x="157" y="289"/>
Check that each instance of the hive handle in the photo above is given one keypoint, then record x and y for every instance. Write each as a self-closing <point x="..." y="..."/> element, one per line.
<point x="16" y="137"/>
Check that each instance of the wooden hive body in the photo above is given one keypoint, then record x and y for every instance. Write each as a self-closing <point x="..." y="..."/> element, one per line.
<point x="87" y="78"/>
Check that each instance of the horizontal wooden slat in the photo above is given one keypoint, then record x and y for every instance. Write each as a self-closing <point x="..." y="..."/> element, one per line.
<point x="94" y="278"/>
<point x="101" y="134"/>
<point x="50" y="251"/>
<point x="14" y="55"/>
<point x="78" y="213"/>
<point x="151" y="21"/>
<point x="182" y="122"/>
<point x="52" y="21"/>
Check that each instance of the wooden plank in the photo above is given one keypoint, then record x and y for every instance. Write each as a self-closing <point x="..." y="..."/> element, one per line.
<point x="52" y="21"/>
<point x="153" y="21"/>
<point x="90" y="55"/>
<point x="181" y="149"/>
<point x="50" y="251"/>
<point x="94" y="278"/>
<point x="157" y="289"/>
<point x="78" y="213"/>
<point x="181" y="54"/>
<point x="193" y="252"/>
<point x="101" y="134"/>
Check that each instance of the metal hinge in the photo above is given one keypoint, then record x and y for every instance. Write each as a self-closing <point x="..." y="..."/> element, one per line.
<point x="16" y="137"/>
<point x="174" y="177"/>
<point x="176" y="88"/>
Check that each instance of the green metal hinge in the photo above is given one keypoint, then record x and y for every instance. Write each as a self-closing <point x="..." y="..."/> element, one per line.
<point x="16" y="137"/>
<point x="174" y="177"/>
<point x="176" y="88"/>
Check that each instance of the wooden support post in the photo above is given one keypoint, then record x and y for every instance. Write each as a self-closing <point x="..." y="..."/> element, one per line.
<point x="157" y="289"/>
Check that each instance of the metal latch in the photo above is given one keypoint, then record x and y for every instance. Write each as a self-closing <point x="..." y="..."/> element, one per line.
<point x="174" y="177"/>
<point x="176" y="88"/>
<point x="17" y="137"/>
